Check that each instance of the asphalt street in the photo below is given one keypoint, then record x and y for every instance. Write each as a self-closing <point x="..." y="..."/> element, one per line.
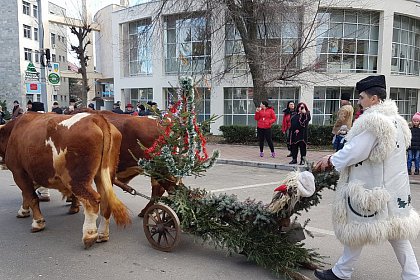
<point x="58" y="253"/>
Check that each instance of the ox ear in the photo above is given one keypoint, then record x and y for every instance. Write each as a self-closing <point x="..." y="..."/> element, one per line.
<point x="178" y="181"/>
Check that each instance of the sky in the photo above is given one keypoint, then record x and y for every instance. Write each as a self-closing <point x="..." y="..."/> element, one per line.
<point x="72" y="6"/>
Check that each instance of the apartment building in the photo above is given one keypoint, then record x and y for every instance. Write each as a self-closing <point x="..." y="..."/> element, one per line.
<point x="353" y="39"/>
<point x="20" y="40"/>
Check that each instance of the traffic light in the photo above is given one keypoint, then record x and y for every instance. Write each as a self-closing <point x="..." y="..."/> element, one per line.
<point x="47" y="55"/>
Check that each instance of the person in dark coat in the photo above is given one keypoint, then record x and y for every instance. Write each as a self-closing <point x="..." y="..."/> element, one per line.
<point x="2" y="121"/>
<point x="117" y="109"/>
<point x="17" y="111"/>
<point x="285" y="126"/>
<point x="299" y="133"/>
<point x="56" y="109"/>
<point x="414" y="149"/>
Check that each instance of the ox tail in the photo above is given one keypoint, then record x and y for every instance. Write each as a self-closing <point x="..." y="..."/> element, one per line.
<point x="110" y="204"/>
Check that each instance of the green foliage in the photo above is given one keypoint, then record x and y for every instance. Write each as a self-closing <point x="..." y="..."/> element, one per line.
<point x="248" y="227"/>
<point x="318" y="135"/>
<point x="245" y="227"/>
<point x="239" y="133"/>
<point x="7" y="115"/>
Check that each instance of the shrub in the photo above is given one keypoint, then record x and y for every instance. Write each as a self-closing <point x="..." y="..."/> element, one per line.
<point x="239" y="133"/>
<point x="318" y="135"/>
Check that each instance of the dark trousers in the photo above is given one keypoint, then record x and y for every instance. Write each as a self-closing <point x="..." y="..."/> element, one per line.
<point x="294" y="149"/>
<point x="265" y="134"/>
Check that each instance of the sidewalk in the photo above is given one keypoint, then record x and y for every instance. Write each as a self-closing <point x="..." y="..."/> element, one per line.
<point x="246" y="155"/>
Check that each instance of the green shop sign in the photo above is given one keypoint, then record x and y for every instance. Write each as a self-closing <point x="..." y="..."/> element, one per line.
<point x="54" y="79"/>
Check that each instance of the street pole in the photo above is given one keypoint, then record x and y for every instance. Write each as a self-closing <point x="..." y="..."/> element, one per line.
<point x="43" y="80"/>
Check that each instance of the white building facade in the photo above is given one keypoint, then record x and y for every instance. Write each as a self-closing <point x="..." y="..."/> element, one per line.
<point x="353" y="40"/>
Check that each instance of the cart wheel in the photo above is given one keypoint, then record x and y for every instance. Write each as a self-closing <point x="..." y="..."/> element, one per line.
<point x="161" y="227"/>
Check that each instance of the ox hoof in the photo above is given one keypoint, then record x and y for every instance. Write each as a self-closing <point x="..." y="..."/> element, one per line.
<point x="73" y="210"/>
<point x="23" y="214"/>
<point x="89" y="238"/>
<point x="102" y="238"/>
<point x="38" y="225"/>
<point x="90" y="241"/>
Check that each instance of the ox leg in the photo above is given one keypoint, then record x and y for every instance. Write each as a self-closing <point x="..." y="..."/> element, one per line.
<point x="103" y="230"/>
<point x="157" y="191"/>
<point x="75" y="205"/>
<point x="29" y="201"/>
<point x="90" y="200"/>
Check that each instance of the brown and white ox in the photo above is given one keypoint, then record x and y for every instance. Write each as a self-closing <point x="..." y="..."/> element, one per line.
<point x="134" y="130"/>
<point x="67" y="153"/>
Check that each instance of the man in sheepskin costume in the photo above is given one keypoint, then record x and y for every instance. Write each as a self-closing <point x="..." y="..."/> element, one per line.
<point x="373" y="201"/>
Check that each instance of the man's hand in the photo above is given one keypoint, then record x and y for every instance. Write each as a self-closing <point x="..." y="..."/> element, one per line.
<point x="324" y="164"/>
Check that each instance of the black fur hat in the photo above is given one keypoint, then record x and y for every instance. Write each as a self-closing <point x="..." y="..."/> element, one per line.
<point x="370" y="82"/>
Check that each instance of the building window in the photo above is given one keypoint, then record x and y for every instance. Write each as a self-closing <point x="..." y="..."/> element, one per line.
<point x="140" y="50"/>
<point x="327" y="103"/>
<point x="26" y="8"/>
<point x="239" y="108"/>
<point x="53" y="58"/>
<point x="278" y="43"/>
<point x="26" y="31"/>
<point x="37" y="56"/>
<point x="201" y="97"/>
<point x="142" y="95"/>
<point x="35" y="11"/>
<point x="28" y="54"/>
<point x="347" y="41"/>
<point x="35" y="34"/>
<point x="187" y="45"/>
<point x="52" y="40"/>
<point x="405" y="46"/>
<point x="406" y="99"/>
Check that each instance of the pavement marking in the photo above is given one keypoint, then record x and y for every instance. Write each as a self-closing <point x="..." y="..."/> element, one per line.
<point x="320" y="230"/>
<point x="245" y="187"/>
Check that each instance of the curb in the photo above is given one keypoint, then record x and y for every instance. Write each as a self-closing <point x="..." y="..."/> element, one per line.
<point x="286" y="167"/>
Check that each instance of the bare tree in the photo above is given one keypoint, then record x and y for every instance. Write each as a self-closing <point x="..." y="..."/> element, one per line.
<point x="82" y="33"/>
<point x="273" y="36"/>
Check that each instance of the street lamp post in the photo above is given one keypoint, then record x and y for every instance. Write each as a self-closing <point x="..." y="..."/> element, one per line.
<point x="43" y="80"/>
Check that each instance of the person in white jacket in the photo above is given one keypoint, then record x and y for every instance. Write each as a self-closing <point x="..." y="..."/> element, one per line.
<point x="373" y="201"/>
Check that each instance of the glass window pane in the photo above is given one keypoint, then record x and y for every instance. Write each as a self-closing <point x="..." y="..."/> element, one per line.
<point x="228" y="107"/>
<point x="350" y="30"/>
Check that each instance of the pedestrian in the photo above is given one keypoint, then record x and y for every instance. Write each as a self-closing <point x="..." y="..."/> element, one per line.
<point x="344" y="117"/>
<point x="72" y="107"/>
<point x="141" y="110"/>
<point x="16" y="111"/>
<point x="116" y="108"/>
<point x="91" y="106"/>
<point x="285" y="126"/>
<point x="373" y="201"/>
<point x="2" y="120"/>
<point x="414" y="149"/>
<point x="29" y="106"/>
<point x="129" y="109"/>
<point x="56" y="109"/>
<point x="299" y="133"/>
<point x="358" y="112"/>
<point x="265" y="118"/>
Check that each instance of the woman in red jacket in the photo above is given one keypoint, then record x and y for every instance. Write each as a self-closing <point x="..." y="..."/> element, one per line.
<point x="265" y="118"/>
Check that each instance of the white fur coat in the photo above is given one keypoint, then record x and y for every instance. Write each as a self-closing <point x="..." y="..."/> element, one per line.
<point x="373" y="201"/>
